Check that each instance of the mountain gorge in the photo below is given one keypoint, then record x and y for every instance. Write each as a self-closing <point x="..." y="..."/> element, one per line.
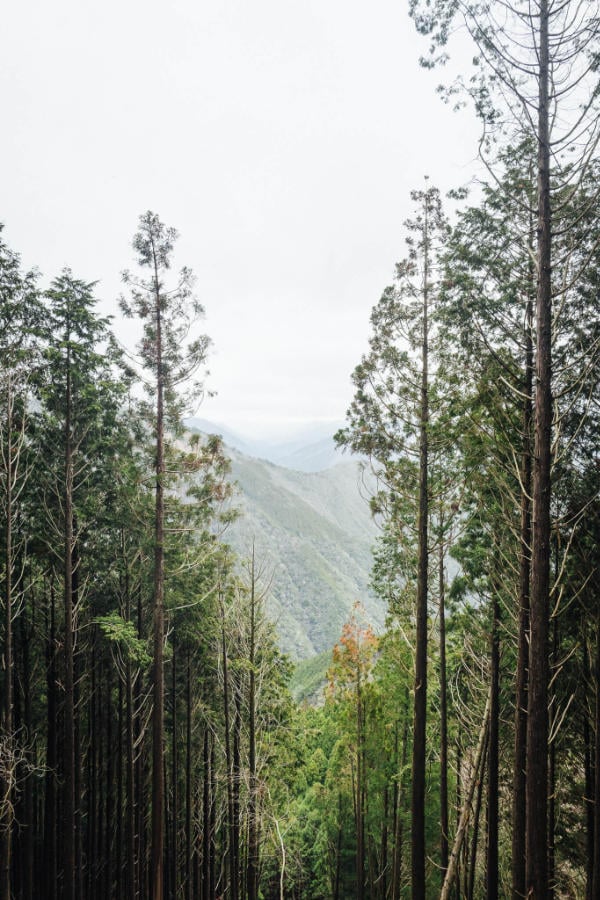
<point x="312" y="533"/>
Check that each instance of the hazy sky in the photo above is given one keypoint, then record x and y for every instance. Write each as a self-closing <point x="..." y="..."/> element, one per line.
<point x="280" y="137"/>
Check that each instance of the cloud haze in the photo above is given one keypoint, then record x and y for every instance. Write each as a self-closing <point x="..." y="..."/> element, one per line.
<point x="281" y="138"/>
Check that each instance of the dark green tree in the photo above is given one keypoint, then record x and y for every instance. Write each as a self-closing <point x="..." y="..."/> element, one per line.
<point x="19" y="357"/>
<point x="80" y="400"/>
<point x="534" y="63"/>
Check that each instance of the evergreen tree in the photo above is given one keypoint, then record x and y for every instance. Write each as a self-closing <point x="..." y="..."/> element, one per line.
<point x="168" y="316"/>
<point x="19" y="321"/>
<point x="389" y="420"/>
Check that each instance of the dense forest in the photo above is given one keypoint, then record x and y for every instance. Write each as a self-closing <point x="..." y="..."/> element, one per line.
<point x="149" y="743"/>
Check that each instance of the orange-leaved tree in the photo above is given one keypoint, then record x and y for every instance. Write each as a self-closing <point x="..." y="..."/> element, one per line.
<point x="353" y="658"/>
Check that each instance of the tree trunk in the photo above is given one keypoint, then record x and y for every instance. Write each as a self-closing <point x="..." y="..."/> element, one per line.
<point x="520" y="746"/>
<point x="466" y="807"/>
<point x="29" y="831"/>
<point x="158" y="677"/>
<point x="236" y="784"/>
<point x="212" y="820"/>
<point x="253" y="847"/>
<point x="493" y="755"/>
<point x="92" y="778"/>
<point x="79" y="887"/>
<point x="231" y="824"/>
<point x="6" y="784"/>
<point x="140" y="768"/>
<point x="596" y="869"/>
<point x="458" y="806"/>
<point x="109" y="787"/>
<point x="130" y="881"/>
<point x="589" y="776"/>
<point x="120" y="818"/>
<point x="50" y="812"/>
<point x="537" y="717"/>
<point x="444" y="824"/>
<point x="552" y="779"/>
<point x="174" y="777"/>
<point x="338" y="853"/>
<point x="68" y="753"/>
<point x="383" y="874"/>
<point x="188" y="782"/>
<point x="360" y="827"/>
<point x="206" y="803"/>
<point x="476" y="819"/>
<point x="398" y="819"/>
<point x="420" y="700"/>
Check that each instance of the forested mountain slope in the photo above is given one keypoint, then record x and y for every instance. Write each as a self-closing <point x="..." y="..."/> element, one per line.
<point x="313" y="533"/>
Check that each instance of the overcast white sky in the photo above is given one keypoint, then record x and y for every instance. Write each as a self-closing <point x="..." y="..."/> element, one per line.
<point x="280" y="137"/>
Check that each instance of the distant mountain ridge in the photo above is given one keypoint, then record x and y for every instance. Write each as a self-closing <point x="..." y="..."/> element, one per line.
<point x="313" y="533"/>
<point x="311" y="450"/>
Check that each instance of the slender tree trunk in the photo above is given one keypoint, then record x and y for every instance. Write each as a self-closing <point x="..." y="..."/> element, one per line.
<point x="383" y="874"/>
<point x="77" y="776"/>
<point x="476" y="819"/>
<point x="420" y="700"/>
<point x="444" y="824"/>
<point x="91" y="779"/>
<point x="188" y="782"/>
<point x="395" y="817"/>
<point x="29" y="831"/>
<point x="140" y="768"/>
<point x="493" y="756"/>
<point x="130" y="881"/>
<point x="552" y="779"/>
<point x="360" y="827"/>
<point x="231" y="824"/>
<point x="398" y="818"/>
<point x="68" y="830"/>
<point x="537" y="718"/>
<point x="589" y="779"/>
<point x="466" y="807"/>
<point x="206" y="802"/>
<point x="338" y="853"/>
<point x="236" y="784"/>
<point x="158" y="677"/>
<point x="109" y="787"/>
<point x="253" y="848"/>
<point x="120" y="794"/>
<point x="168" y="833"/>
<point x="520" y="746"/>
<point x="175" y="767"/>
<point x="97" y="880"/>
<point x="596" y="869"/>
<point x="6" y="784"/>
<point x="212" y="822"/>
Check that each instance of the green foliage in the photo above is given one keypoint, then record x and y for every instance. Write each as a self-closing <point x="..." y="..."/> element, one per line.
<point x="123" y="633"/>
<point x="169" y="315"/>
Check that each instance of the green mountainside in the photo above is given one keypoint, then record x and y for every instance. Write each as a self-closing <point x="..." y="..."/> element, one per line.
<point x="309" y="679"/>
<point x="313" y="534"/>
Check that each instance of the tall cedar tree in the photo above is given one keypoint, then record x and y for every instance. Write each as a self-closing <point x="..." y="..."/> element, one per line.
<point x="168" y="316"/>
<point x="79" y="401"/>
<point x="487" y="309"/>
<point x="389" y="420"/>
<point x="19" y="319"/>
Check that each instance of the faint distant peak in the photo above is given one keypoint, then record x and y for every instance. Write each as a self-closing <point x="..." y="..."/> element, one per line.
<point x="308" y="448"/>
